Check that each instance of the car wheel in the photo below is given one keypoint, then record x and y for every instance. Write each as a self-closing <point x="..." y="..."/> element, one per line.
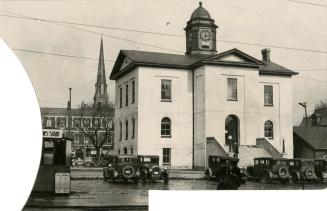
<point x="128" y="172"/>
<point x="266" y="178"/>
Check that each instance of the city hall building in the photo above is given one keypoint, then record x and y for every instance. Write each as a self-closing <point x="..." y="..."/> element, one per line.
<point x="186" y="107"/>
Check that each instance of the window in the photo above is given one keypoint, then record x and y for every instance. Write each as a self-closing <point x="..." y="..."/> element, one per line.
<point x="131" y="151"/>
<point x="119" y="152"/>
<point x="166" y="156"/>
<point x="120" y="97"/>
<point x="120" y="131"/>
<point x="268" y="95"/>
<point x="133" y="92"/>
<point x="133" y="127"/>
<point x="166" y="90"/>
<point x="166" y="127"/>
<point x="125" y="151"/>
<point x="48" y="122"/>
<point x="126" y="130"/>
<point x="232" y="89"/>
<point x="269" y="129"/>
<point x="126" y="95"/>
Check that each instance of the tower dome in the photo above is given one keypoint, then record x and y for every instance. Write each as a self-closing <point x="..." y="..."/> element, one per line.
<point x="201" y="33"/>
<point x="200" y="12"/>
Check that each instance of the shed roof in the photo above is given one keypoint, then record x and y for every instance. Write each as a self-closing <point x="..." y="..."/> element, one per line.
<point x="316" y="137"/>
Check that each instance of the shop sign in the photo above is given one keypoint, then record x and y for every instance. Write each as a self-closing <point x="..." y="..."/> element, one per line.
<point x="50" y="133"/>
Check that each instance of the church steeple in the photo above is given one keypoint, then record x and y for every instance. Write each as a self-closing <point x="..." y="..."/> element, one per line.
<point x="101" y="96"/>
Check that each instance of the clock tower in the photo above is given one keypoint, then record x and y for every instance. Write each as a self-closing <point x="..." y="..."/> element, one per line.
<point x="201" y="33"/>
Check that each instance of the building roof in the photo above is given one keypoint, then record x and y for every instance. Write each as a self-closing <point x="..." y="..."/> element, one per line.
<point x="46" y="111"/>
<point x="127" y="60"/>
<point x="271" y="67"/>
<point x="200" y="12"/>
<point x="316" y="137"/>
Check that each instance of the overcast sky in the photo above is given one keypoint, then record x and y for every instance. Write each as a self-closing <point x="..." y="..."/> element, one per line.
<point x="266" y="22"/>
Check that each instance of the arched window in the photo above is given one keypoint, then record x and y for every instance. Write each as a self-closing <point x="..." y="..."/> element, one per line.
<point x="166" y="127"/>
<point x="269" y="129"/>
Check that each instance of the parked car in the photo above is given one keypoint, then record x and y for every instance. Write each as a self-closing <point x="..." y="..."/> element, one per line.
<point x="89" y="163"/>
<point x="302" y="169"/>
<point x="122" y="167"/>
<point x="267" y="169"/>
<point x="321" y="169"/>
<point x="219" y="166"/>
<point x="150" y="169"/>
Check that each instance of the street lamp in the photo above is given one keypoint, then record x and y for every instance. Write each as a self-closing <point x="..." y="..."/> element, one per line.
<point x="230" y="142"/>
<point x="304" y="105"/>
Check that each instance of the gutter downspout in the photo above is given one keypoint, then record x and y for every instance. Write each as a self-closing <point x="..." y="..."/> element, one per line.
<point x="193" y="119"/>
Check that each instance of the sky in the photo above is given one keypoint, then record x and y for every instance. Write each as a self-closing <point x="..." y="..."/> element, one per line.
<point x="300" y="28"/>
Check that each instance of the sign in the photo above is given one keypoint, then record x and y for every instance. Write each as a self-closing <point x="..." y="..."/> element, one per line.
<point x="50" y="133"/>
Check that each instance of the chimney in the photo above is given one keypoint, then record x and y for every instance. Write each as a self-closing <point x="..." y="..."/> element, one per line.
<point x="265" y="55"/>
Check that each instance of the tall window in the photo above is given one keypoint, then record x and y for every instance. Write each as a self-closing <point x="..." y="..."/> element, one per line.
<point x="166" y="127"/>
<point x="132" y="151"/>
<point x="126" y="95"/>
<point x="120" y="131"/>
<point x="166" y="156"/>
<point x="166" y="90"/>
<point x="126" y="130"/>
<point x="125" y="151"/>
<point x="120" y="97"/>
<point x="133" y="92"/>
<point x="231" y="89"/>
<point x="133" y="127"/>
<point x="268" y="92"/>
<point x="269" y="129"/>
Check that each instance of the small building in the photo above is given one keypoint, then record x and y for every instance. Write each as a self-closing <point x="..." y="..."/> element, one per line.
<point x="310" y="142"/>
<point x="186" y="107"/>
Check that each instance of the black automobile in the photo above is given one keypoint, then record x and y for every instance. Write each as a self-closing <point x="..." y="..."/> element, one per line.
<point x="302" y="169"/>
<point x="219" y="166"/>
<point x="122" y="167"/>
<point x="267" y="169"/>
<point x="321" y="169"/>
<point x="150" y="169"/>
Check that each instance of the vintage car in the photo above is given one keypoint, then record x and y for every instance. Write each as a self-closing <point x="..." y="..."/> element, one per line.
<point x="266" y="169"/>
<point x="301" y="169"/>
<point x="150" y="169"/>
<point x="122" y="167"/>
<point x="219" y="166"/>
<point x="321" y="169"/>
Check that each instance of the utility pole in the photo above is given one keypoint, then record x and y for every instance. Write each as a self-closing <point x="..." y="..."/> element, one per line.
<point x="69" y="107"/>
<point x="304" y="105"/>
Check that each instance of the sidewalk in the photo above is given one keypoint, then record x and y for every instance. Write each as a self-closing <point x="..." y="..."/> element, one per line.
<point x="96" y="173"/>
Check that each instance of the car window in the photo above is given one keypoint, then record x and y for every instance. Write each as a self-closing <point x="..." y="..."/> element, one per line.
<point x="213" y="159"/>
<point x="262" y="162"/>
<point x="267" y="162"/>
<point x="256" y="162"/>
<point x="291" y="163"/>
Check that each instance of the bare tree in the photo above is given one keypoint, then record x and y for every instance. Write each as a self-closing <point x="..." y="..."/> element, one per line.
<point x="96" y="123"/>
<point x="321" y="105"/>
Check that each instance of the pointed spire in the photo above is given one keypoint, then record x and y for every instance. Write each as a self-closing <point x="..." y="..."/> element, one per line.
<point x="101" y="95"/>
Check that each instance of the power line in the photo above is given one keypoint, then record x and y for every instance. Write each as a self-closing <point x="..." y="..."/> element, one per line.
<point x="308" y="3"/>
<point x="155" y="46"/>
<point x="313" y="79"/>
<point x="58" y="54"/>
<point x="98" y="33"/>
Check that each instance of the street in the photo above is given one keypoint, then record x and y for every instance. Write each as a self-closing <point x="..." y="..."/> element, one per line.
<point x="97" y="193"/>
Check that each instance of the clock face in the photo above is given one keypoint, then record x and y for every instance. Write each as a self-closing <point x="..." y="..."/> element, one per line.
<point x="205" y="35"/>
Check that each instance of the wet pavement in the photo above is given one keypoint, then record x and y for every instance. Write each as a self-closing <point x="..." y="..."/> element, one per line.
<point x="95" y="193"/>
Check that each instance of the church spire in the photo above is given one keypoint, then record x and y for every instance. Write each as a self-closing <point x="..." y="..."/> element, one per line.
<point x="101" y="95"/>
